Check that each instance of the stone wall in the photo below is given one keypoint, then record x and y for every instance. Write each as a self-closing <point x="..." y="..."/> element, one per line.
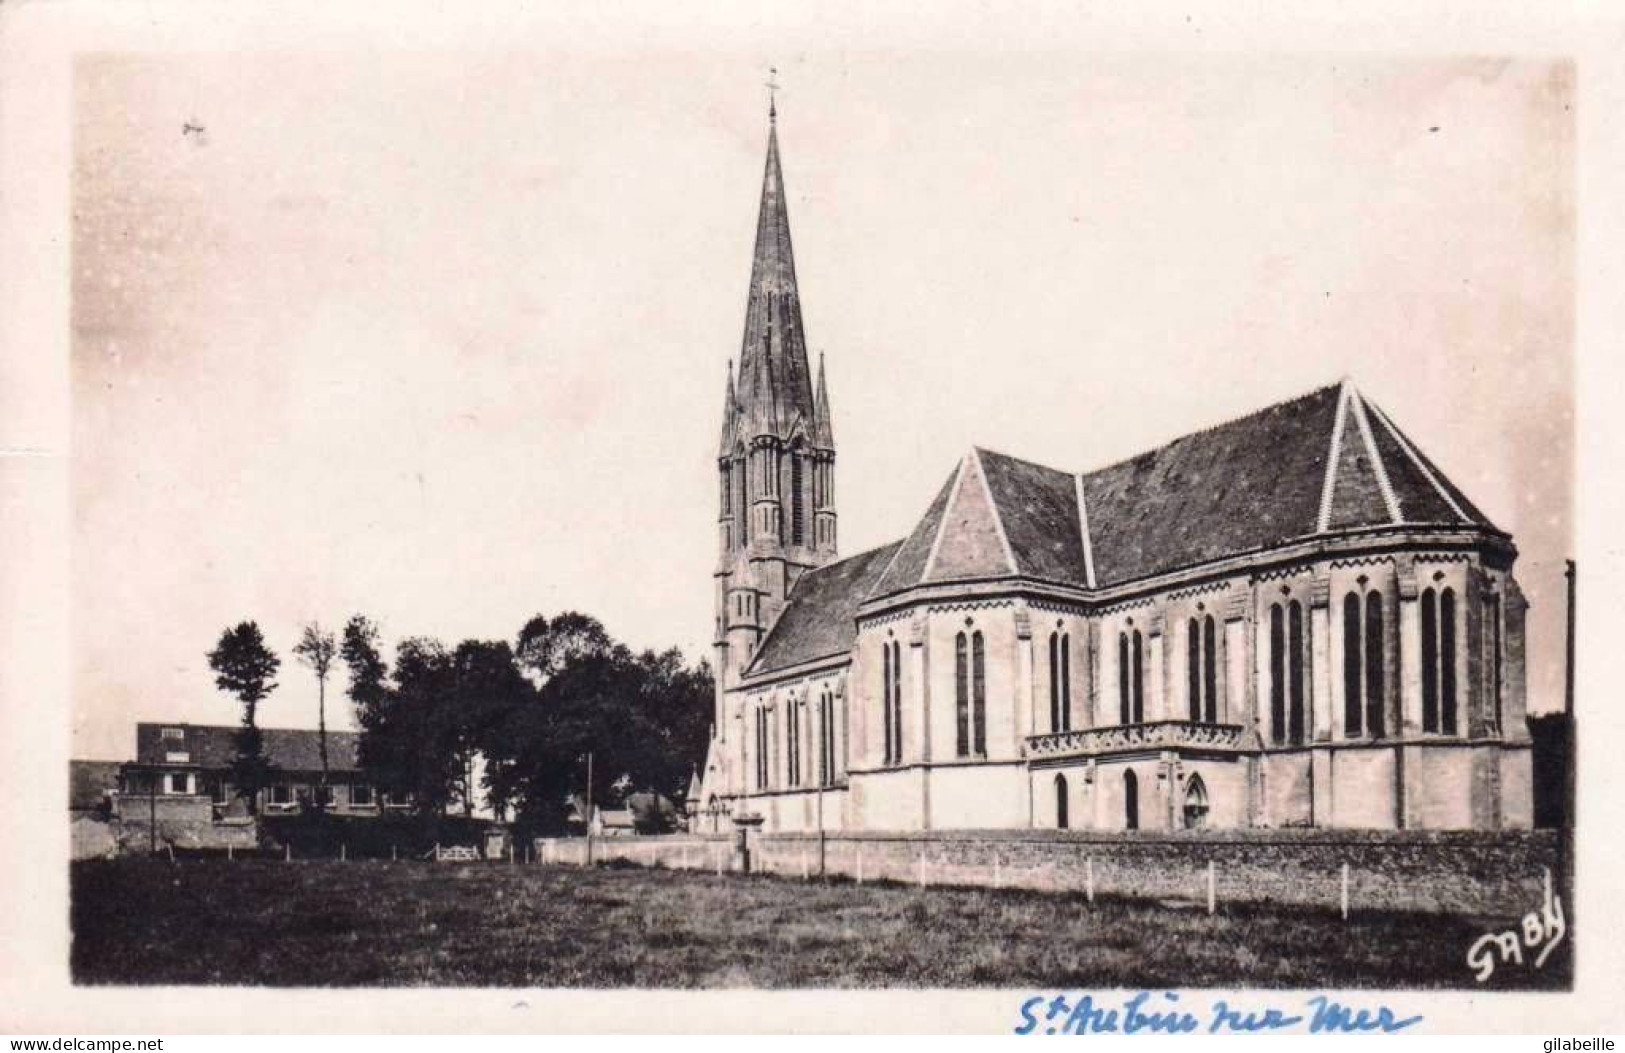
<point x="182" y="821"/>
<point x="1493" y="873"/>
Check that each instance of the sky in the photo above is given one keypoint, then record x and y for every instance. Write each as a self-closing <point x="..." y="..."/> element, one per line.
<point x="440" y="337"/>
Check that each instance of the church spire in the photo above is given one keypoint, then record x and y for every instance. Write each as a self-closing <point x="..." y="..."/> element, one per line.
<point x="775" y="385"/>
<point x="823" y="428"/>
<point x="730" y="415"/>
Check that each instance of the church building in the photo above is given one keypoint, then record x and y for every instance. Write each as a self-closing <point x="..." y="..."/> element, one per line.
<point x="1290" y="619"/>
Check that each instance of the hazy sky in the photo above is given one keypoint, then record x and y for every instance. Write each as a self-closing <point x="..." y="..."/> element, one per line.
<point x="440" y="337"/>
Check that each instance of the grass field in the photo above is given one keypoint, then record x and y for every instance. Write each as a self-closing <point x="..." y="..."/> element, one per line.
<point x="138" y="921"/>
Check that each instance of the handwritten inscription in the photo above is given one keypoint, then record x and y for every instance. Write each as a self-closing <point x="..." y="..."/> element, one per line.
<point x="1538" y="934"/>
<point x="1147" y="1014"/>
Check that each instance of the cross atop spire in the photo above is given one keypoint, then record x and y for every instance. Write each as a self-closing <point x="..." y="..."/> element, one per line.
<point x="772" y="94"/>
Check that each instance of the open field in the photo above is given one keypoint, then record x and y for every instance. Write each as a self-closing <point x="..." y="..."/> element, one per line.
<point x="139" y="921"/>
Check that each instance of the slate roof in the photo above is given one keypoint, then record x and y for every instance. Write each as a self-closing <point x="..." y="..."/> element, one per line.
<point x="1247" y="485"/>
<point x="775" y="389"/>
<point x="210" y="747"/>
<point x="820" y="618"/>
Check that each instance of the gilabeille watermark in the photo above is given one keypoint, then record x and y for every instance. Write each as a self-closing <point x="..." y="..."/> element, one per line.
<point x="1554" y="1045"/>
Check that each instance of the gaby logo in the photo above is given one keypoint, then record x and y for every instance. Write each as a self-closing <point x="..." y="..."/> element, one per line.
<point x="1539" y="934"/>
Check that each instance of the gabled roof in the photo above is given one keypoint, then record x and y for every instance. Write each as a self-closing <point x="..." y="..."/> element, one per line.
<point x="212" y="746"/>
<point x="820" y="617"/>
<point x="617" y="818"/>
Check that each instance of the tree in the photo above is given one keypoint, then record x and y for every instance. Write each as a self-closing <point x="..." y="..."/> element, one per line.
<point x="365" y="661"/>
<point x="245" y="667"/>
<point x="488" y="691"/>
<point x="316" y="649"/>
<point x="642" y="717"/>
<point x="409" y="735"/>
<point x="545" y="647"/>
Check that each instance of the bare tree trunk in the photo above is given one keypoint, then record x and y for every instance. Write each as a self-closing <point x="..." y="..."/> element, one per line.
<point x="321" y="731"/>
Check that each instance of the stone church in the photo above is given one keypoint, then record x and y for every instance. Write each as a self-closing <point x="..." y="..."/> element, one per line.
<point x="1290" y="619"/>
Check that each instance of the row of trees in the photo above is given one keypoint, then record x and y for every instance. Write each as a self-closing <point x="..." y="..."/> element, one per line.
<point x="533" y="711"/>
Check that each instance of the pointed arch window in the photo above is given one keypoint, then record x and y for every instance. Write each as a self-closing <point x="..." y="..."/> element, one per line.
<point x="1439" y="660"/>
<point x="1201" y="659"/>
<point x="970" y="695"/>
<point x="798" y="510"/>
<point x="1365" y="678"/>
<point x="1130" y="677"/>
<point x="962" y="694"/>
<point x="1288" y="686"/>
<point x="792" y="744"/>
<point x="897" y="702"/>
<point x="891" y="701"/>
<point x="1060" y="681"/>
<point x="1196" y="804"/>
<point x="1497" y="659"/>
<point x="887" y="673"/>
<point x="761" y="748"/>
<point x="1131" y="800"/>
<point x="826" y="738"/>
<point x="1061" y="818"/>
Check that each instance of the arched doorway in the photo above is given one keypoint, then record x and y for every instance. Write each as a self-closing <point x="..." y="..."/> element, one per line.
<point x="1131" y="800"/>
<point x="1195" y="811"/>
<point x="1060" y="803"/>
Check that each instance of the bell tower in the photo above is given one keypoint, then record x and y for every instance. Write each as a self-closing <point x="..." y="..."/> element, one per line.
<point x="776" y="457"/>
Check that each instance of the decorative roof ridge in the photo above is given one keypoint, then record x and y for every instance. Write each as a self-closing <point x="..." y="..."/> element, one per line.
<point x="1395" y="514"/>
<point x="998" y="516"/>
<point x="1328" y="486"/>
<point x="1083" y="532"/>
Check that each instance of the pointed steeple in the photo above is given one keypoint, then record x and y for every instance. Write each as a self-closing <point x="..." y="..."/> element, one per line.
<point x="823" y="427"/>
<point x="730" y="415"/>
<point x="775" y="385"/>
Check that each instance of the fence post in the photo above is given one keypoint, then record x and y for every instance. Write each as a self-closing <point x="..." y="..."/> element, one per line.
<point x="1345" y="896"/>
<point x="996" y="870"/>
<point x="922" y="867"/>
<point x="228" y="851"/>
<point x="344" y="851"/>
<point x="719" y="864"/>
<point x="287" y="853"/>
<point x="805" y="873"/>
<point x="392" y="853"/>
<point x="1089" y="878"/>
<point x="860" y="862"/>
<point x="171" y="849"/>
<point x="1211" y="891"/>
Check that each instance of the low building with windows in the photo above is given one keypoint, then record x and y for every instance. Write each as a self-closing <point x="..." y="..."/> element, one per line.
<point x="1290" y="619"/>
<point x="193" y="761"/>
